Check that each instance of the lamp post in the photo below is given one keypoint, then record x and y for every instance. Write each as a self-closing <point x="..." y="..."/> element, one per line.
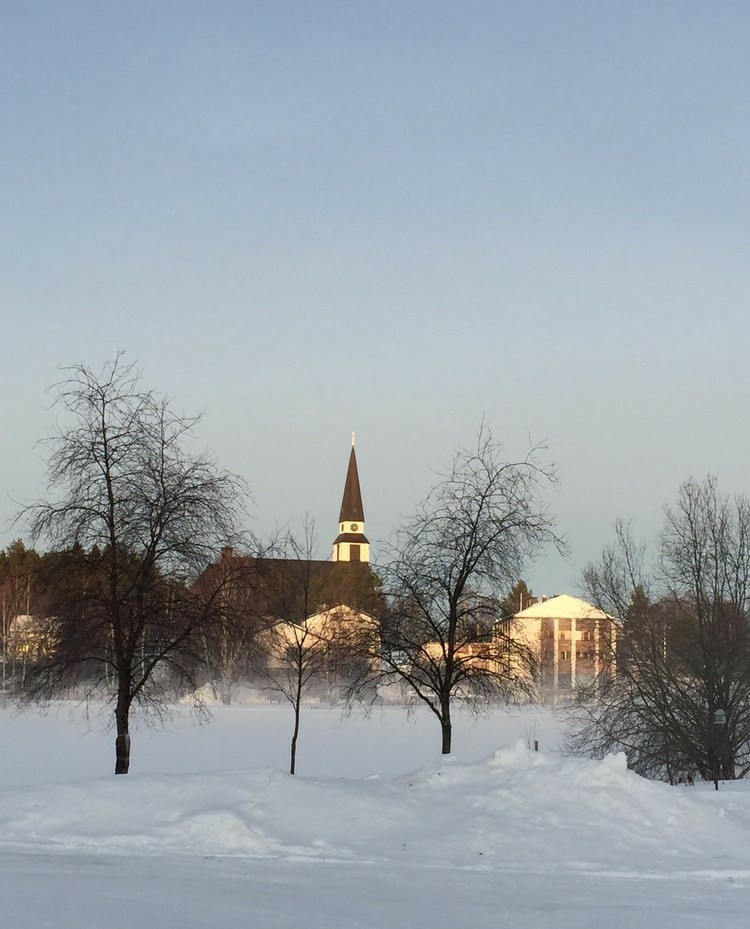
<point x="720" y="724"/>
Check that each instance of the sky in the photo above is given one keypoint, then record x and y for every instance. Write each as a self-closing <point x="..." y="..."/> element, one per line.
<point x="399" y="218"/>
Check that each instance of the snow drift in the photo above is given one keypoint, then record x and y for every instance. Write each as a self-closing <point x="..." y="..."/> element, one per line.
<point x="515" y="810"/>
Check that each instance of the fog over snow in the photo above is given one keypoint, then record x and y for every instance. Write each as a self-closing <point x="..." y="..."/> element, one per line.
<point x="378" y="831"/>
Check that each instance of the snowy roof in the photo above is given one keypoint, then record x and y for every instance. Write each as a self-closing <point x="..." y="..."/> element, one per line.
<point x="562" y="607"/>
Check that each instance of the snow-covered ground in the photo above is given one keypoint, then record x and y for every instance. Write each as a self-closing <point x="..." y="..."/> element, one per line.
<point x="377" y="831"/>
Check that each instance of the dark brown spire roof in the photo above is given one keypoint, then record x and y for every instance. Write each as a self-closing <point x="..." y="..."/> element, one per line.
<point x="351" y="503"/>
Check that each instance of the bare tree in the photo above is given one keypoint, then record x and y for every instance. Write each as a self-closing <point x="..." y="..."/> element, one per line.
<point x="307" y="640"/>
<point x="445" y="581"/>
<point x="683" y="651"/>
<point x="229" y="640"/>
<point x="300" y="656"/>
<point x="137" y="515"/>
<point x="620" y="571"/>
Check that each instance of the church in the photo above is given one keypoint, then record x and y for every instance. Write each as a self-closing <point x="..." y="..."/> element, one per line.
<point x="572" y="642"/>
<point x="292" y="589"/>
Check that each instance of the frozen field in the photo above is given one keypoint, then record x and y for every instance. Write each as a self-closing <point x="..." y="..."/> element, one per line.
<point x="375" y="832"/>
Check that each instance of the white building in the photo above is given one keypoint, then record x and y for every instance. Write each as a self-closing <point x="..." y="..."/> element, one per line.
<point x="573" y="643"/>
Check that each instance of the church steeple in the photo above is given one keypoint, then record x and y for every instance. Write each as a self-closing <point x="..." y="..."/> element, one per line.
<point x="351" y="543"/>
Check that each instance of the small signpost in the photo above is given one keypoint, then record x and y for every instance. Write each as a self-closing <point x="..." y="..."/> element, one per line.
<point x="719" y="727"/>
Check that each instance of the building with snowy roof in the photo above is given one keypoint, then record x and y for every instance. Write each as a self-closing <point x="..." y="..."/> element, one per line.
<point x="572" y="641"/>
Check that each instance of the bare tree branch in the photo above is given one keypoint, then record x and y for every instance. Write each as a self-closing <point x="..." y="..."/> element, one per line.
<point x="684" y="648"/>
<point x="445" y="577"/>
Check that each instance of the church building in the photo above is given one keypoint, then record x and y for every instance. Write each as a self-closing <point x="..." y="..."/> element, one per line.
<point x="292" y="589"/>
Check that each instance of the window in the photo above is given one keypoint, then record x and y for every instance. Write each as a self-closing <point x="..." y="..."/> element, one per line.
<point x="354" y="553"/>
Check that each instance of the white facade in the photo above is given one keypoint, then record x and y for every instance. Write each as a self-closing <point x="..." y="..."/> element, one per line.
<point x="573" y="642"/>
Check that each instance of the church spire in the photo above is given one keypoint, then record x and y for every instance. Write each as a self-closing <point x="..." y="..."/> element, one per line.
<point x="351" y="503"/>
<point x="351" y="543"/>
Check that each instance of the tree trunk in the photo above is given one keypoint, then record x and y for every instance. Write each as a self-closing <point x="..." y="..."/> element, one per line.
<point x="122" y="742"/>
<point x="293" y="761"/>
<point x="446" y="725"/>
<point x="726" y="761"/>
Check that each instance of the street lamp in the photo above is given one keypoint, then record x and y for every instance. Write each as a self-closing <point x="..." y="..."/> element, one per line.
<point x="720" y="724"/>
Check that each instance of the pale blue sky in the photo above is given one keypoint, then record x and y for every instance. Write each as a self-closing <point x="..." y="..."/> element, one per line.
<point x="395" y="217"/>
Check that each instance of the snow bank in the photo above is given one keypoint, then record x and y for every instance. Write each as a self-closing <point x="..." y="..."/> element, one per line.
<point x="515" y="810"/>
<point x="510" y="840"/>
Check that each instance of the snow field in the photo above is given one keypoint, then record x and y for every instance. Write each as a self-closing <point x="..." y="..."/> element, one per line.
<point x="211" y="831"/>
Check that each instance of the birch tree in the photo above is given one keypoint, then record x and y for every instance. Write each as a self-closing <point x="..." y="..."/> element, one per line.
<point x="445" y="578"/>
<point x="139" y="514"/>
